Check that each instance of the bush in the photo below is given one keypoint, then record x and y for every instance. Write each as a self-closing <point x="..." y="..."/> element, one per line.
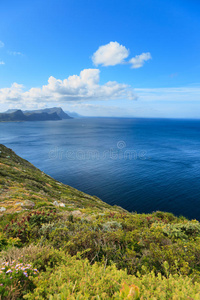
<point x="48" y="258"/>
<point x="26" y="227"/>
<point x="6" y="243"/>
<point x="182" y="230"/>
<point x="77" y="279"/>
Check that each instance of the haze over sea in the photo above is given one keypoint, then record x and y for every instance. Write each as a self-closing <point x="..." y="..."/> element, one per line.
<point x="143" y="165"/>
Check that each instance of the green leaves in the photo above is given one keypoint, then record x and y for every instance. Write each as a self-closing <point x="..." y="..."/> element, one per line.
<point x="76" y="278"/>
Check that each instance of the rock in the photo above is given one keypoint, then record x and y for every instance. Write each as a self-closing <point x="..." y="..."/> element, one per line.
<point x="2" y="209"/>
<point x="76" y="213"/>
<point x="29" y="204"/>
<point x="19" y="203"/>
<point x="58" y="204"/>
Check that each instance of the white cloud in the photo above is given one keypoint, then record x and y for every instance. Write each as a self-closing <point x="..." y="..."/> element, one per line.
<point x="139" y="60"/>
<point x="113" y="54"/>
<point x="11" y="94"/>
<point x="2" y="63"/>
<point x="75" y="88"/>
<point x="169" y="94"/>
<point x="1" y="44"/>
<point x="15" y="53"/>
<point x="110" y="55"/>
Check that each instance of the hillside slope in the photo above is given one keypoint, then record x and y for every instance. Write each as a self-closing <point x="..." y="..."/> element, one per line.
<point x="22" y="183"/>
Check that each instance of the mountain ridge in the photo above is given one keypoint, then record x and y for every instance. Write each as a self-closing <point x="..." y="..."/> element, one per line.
<point x="48" y="114"/>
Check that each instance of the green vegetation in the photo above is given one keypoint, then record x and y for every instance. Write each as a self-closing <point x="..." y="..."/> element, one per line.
<point x="59" y="243"/>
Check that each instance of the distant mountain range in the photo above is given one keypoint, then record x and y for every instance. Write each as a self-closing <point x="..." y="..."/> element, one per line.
<point x="74" y="114"/>
<point x="47" y="114"/>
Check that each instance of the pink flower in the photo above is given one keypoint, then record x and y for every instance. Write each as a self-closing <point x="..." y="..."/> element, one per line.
<point x="25" y="274"/>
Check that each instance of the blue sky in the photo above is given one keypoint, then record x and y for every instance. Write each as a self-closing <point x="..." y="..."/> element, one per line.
<point x="101" y="58"/>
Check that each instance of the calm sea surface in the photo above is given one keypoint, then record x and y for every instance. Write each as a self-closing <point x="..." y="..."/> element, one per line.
<point x="143" y="165"/>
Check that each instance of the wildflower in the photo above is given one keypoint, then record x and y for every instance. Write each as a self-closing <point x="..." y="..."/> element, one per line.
<point x="11" y="277"/>
<point x="25" y="274"/>
<point x="9" y="271"/>
<point x="1" y="284"/>
<point x="28" y="265"/>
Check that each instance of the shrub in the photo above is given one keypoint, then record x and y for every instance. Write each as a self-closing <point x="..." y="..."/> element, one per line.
<point x="77" y="279"/>
<point x="26" y="227"/>
<point x="182" y="230"/>
<point x="59" y="237"/>
<point x="111" y="226"/>
<point x="48" y="258"/>
<point x="6" y="243"/>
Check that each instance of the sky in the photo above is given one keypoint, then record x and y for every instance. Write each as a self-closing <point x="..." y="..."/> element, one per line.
<point x="130" y="58"/>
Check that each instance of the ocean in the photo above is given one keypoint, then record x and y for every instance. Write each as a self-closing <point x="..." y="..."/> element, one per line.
<point x="143" y="165"/>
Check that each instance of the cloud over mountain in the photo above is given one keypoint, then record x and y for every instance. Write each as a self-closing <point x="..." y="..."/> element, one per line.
<point x="75" y="88"/>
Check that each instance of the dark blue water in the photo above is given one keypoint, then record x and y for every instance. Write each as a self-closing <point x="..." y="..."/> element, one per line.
<point x="143" y="165"/>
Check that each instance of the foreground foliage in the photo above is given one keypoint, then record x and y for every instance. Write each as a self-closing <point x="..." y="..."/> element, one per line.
<point x="77" y="279"/>
<point x="16" y="279"/>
